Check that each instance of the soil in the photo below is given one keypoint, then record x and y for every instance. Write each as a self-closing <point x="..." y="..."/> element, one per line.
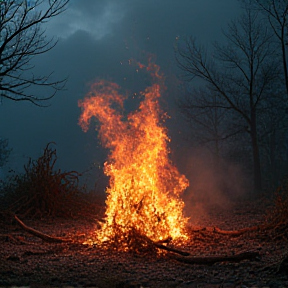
<point x="26" y="260"/>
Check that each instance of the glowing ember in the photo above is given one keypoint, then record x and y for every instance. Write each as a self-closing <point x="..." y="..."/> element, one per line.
<point x="143" y="194"/>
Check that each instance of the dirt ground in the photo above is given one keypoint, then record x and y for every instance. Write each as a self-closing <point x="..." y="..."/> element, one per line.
<point x="26" y="260"/>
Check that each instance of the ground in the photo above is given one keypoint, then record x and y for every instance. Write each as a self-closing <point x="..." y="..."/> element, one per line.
<point x="26" y="260"/>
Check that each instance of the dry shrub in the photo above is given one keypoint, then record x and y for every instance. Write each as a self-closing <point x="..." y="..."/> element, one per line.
<point x="277" y="215"/>
<point x="45" y="191"/>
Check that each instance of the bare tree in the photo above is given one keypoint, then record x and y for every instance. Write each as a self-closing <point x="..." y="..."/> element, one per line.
<point x="273" y="128"/>
<point x="22" y="38"/>
<point x="4" y="151"/>
<point x="240" y="72"/>
<point x="277" y="13"/>
<point x="200" y="108"/>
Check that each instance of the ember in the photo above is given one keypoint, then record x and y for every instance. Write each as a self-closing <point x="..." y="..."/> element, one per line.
<point x="144" y="188"/>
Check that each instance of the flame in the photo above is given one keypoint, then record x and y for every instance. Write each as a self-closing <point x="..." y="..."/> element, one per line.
<point x="144" y="188"/>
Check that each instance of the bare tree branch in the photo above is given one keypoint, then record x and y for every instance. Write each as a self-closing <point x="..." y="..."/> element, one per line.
<point x="277" y="13"/>
<point x="22" y="38"/>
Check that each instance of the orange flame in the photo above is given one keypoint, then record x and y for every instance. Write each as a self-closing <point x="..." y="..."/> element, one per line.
<point x="144" y="187"/>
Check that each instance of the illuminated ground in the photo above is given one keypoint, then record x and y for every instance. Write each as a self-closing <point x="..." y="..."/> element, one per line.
<point x="26" y="260"/>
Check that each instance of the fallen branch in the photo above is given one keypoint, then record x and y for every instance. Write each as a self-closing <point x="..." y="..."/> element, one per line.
<point x="236" y="233"/>
<point x="209" y="260"/>
<point x="232" y="233"/>
<point x="44" y="237"/>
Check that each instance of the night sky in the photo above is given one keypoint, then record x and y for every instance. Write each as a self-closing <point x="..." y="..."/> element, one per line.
<point x="96" y="40"/>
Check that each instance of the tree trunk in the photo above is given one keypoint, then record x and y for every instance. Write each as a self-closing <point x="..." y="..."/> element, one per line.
<point x="256" y="157"/>
<point x="284" y="60"/>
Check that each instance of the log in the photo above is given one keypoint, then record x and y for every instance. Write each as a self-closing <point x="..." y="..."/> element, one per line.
<point x="209" y="260"/>
<point x="44" y="237"/>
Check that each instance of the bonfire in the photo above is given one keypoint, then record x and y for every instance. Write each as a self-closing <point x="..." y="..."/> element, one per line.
<point x="143" y="196"/>
<point x="144" y="209"/>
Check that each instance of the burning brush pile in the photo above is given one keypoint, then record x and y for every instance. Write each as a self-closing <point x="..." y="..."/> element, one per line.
<point x="143" y="203"/>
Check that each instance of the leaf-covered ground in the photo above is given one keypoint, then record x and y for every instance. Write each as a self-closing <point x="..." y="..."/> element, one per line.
<point x="26" y="260"/>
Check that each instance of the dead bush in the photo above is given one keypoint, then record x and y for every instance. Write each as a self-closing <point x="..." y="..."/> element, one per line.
<point x="45" y="191"/>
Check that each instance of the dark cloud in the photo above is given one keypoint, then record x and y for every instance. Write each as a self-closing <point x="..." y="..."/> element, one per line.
<point x="95" y="17"/>
<point x="97" y="38"/>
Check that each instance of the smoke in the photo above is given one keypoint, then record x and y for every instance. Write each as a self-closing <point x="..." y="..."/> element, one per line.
<point x="212" y="185"/>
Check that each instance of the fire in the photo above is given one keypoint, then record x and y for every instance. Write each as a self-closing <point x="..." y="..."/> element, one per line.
<point x="144" y="189"/>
